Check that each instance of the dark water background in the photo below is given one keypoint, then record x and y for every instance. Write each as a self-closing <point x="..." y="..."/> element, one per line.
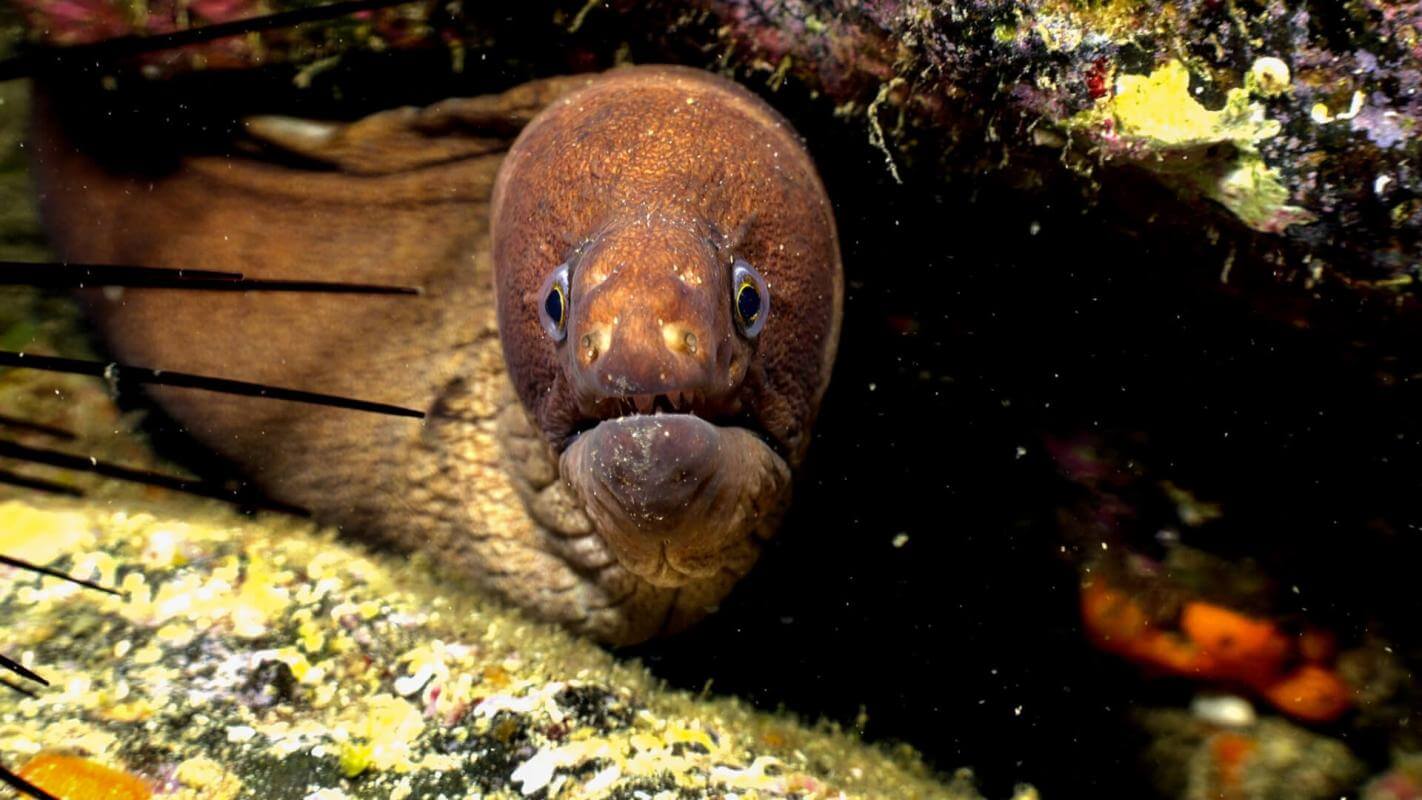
<point x="967" y="337"/>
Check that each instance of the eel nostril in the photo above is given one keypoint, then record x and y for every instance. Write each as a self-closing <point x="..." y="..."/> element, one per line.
<point x="593" y="344"/>
<point x="679" y="339"/>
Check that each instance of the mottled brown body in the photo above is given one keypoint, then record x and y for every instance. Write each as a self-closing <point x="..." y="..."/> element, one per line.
<point x="404" y="197"/>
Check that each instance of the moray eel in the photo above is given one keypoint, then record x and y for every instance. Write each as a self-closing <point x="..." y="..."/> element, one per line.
<point x="628" y="319"/>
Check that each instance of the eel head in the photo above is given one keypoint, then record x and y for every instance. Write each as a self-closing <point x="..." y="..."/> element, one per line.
<point x="667" y="428"/>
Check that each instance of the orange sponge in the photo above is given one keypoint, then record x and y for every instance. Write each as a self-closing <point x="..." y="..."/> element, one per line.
<point x="1214" y="643"/>
<point x="1311" y="693"/>
<point x="76" y="778"/>
<point x="1244" y="649"/>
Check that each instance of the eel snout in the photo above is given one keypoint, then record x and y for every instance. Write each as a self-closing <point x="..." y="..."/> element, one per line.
<point x="676" y="498"/>
<point x="650" y="325"/>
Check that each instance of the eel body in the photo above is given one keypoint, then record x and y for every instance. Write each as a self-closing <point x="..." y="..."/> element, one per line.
<point x="628" y="317"/>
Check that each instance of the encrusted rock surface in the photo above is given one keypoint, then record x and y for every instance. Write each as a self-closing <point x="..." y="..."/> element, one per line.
<point x="263" y="658"/>
<point x="1284" y="132"/>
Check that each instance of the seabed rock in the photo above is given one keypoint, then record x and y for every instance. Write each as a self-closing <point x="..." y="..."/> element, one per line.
<point x="1270" y="759"/>
<point x="262" y="657"/>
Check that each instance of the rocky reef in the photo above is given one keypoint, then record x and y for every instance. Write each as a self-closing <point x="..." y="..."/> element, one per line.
<point x="1283" y="134"/>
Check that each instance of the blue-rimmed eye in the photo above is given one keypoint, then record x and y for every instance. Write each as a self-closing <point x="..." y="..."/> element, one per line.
<point x="750" y="299"/>
<point x="553" y="309"/>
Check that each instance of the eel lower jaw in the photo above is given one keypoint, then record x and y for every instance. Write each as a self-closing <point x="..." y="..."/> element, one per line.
<point x="676" y="498"/>
<point x="720" y="412"/>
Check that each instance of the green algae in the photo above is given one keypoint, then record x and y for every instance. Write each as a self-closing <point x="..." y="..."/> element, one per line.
<point x="1154" y="121"/>
<point x="1158" y="108"/>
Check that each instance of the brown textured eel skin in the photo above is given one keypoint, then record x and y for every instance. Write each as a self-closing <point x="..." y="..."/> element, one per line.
<point x="628" y="319"/>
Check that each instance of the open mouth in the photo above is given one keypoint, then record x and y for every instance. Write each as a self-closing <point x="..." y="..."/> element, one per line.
<point x="674" y="402"/>
<point x="595" y="411"/>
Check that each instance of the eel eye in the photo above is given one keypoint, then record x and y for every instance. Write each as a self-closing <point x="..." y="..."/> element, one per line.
<point x="750" y="299"/>
<point x="553" y="311"/>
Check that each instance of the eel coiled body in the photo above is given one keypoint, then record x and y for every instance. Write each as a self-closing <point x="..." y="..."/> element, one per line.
<point x="628" y="318"/>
